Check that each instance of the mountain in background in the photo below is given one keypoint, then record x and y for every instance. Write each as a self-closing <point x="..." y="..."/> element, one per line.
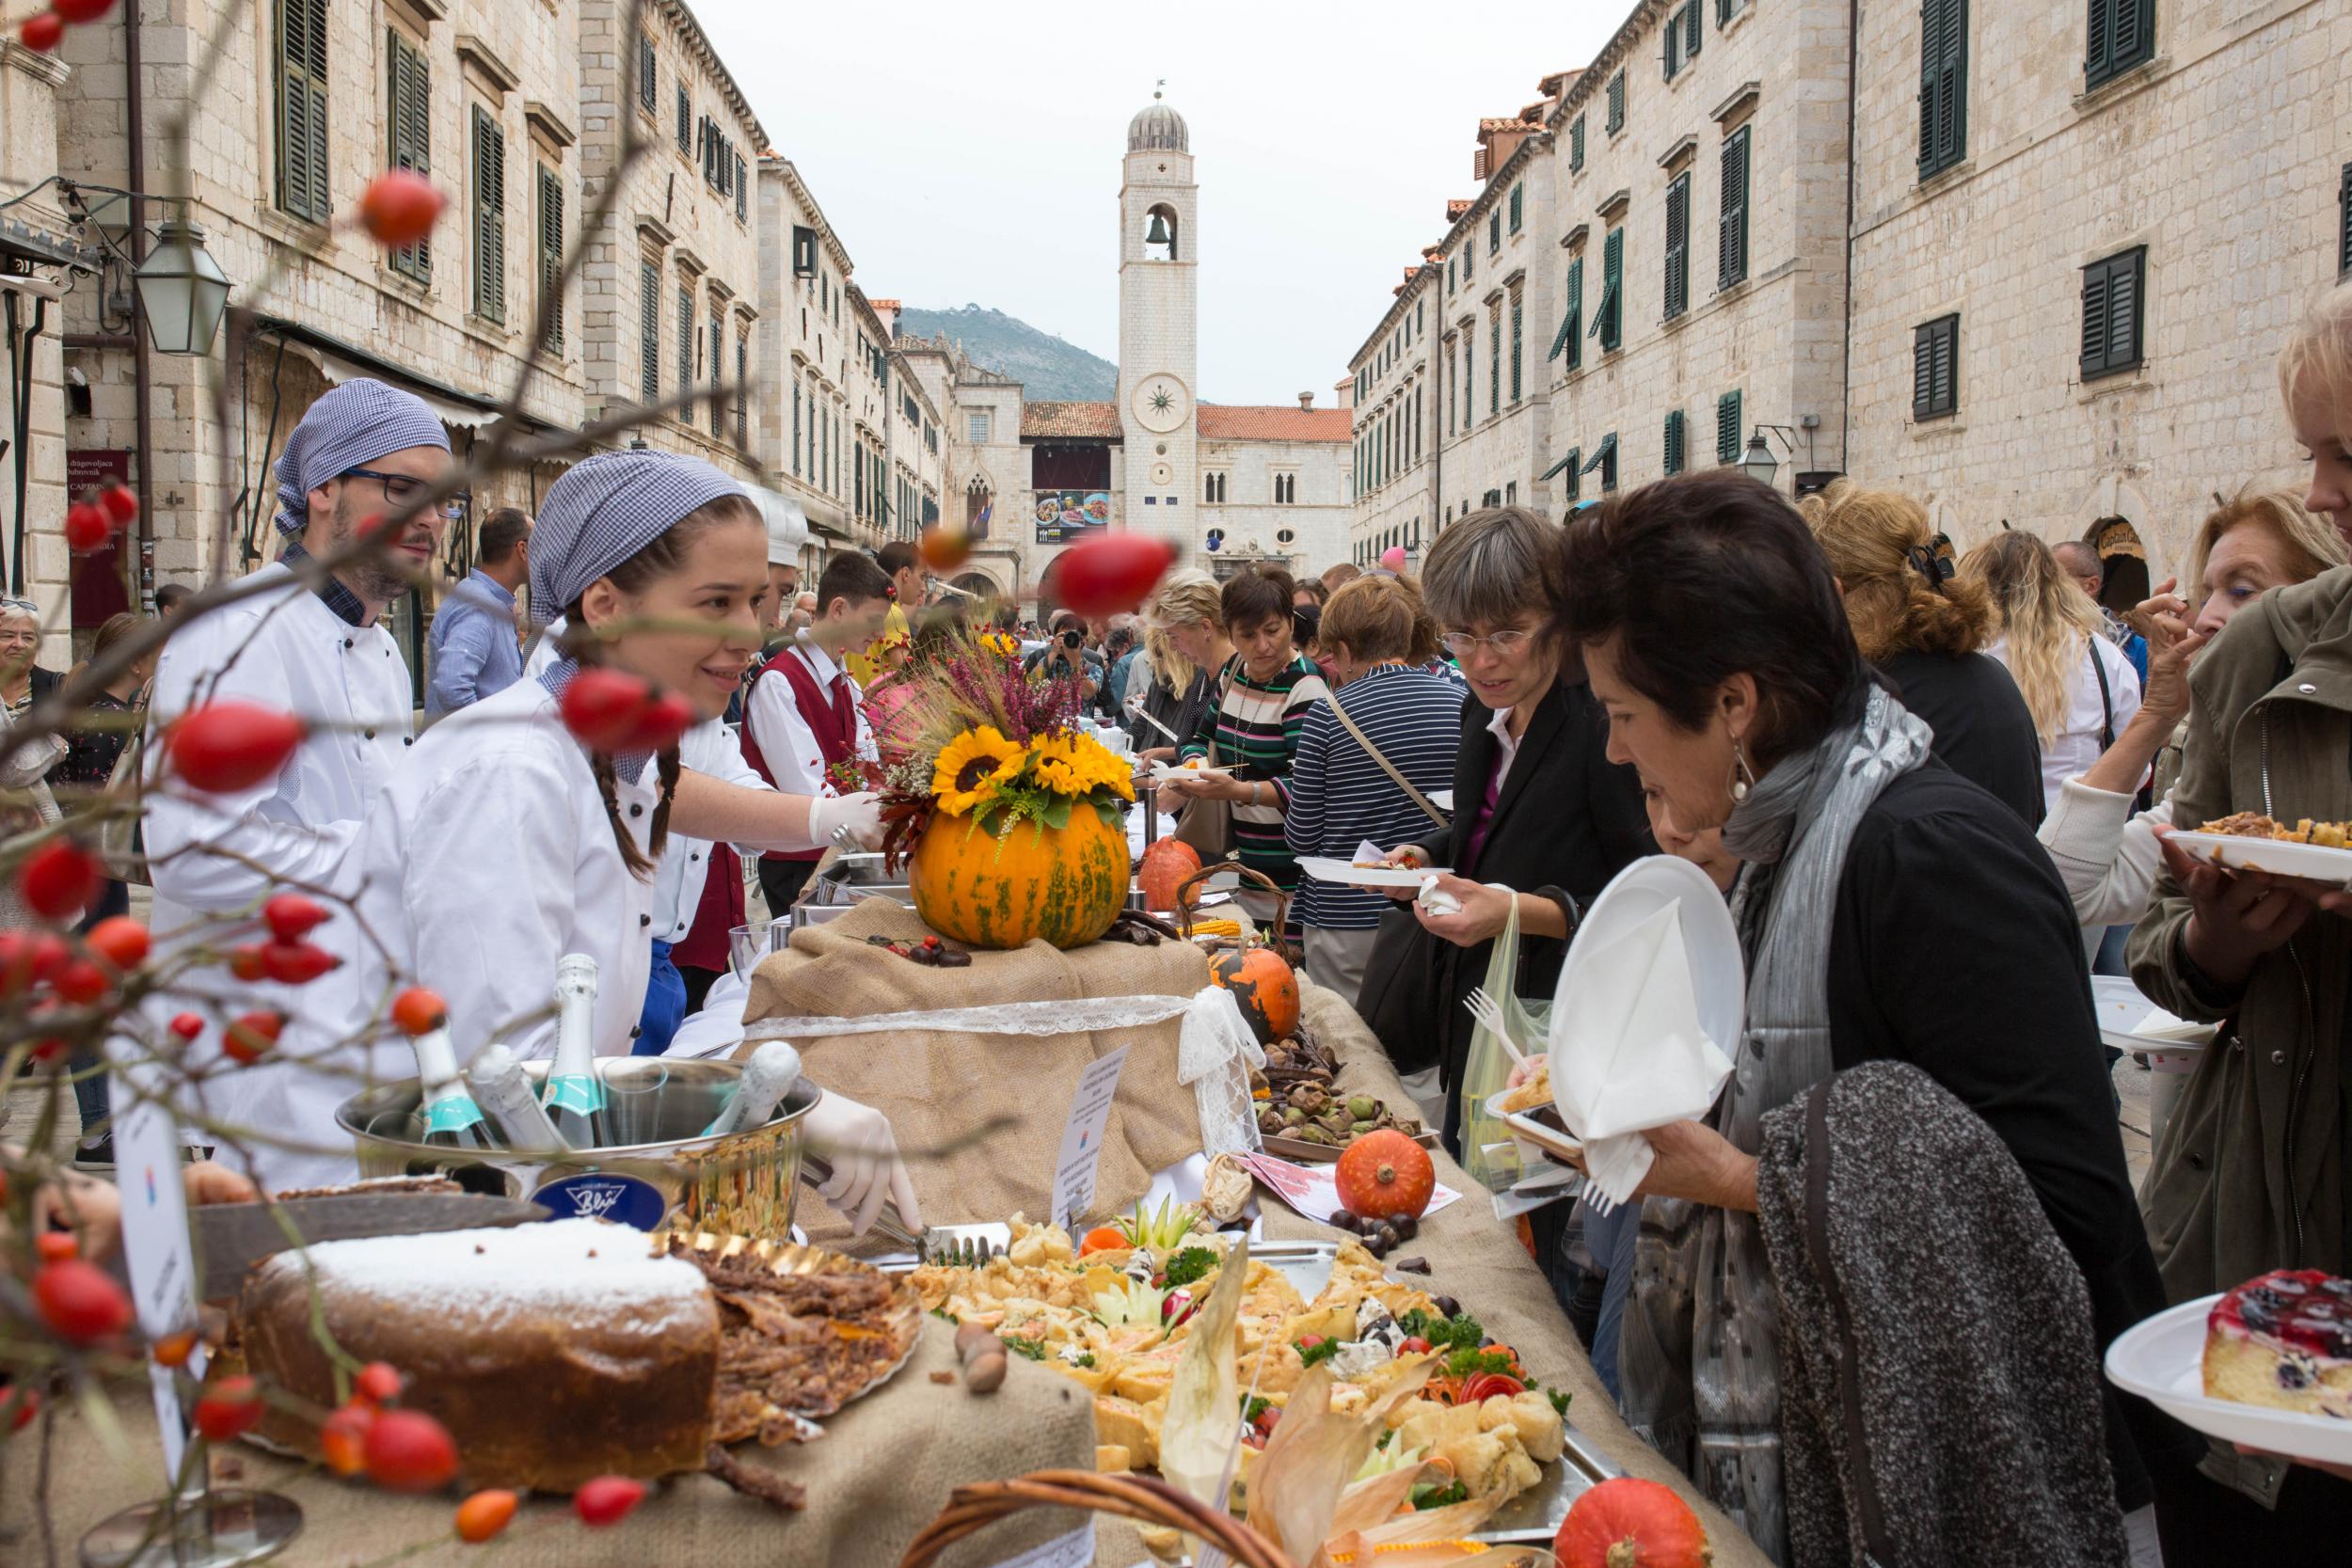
<point x="1048" y="369"/>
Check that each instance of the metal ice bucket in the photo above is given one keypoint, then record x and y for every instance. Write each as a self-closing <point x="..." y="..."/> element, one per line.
<point x="664" y="1171"/>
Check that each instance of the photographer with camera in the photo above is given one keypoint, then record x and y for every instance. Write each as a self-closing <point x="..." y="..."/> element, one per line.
<point x="1065" y="655"/>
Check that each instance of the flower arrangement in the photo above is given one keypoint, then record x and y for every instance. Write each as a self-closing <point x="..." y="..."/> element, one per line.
<point x="982" y="740"/>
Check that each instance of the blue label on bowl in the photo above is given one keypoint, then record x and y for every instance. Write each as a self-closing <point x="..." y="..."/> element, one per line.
<point x="622" y="1200"/>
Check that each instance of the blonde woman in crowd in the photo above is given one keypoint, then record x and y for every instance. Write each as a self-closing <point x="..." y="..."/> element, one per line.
<point x="2109" y="854"/>
<point x="2078" y="686"/>
<point x="1925" y="627"/>
<point x="1185" y="634"/>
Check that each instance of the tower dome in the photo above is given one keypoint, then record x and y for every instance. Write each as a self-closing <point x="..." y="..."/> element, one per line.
<point x="1157" y="128"/>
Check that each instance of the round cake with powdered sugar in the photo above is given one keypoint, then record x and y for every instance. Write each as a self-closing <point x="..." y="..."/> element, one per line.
<point x="554" y="1353"/>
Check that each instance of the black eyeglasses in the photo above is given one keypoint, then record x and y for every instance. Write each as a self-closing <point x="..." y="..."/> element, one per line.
<point x="399" y="489"/>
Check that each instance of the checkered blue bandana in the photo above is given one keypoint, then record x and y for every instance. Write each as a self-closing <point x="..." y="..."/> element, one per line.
<point x="605" y="510"/>
<point x="352" y="425"/>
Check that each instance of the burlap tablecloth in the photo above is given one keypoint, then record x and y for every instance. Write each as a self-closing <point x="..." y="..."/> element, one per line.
<point x="937" y="1085"/>
<point x="880" y="1473"/>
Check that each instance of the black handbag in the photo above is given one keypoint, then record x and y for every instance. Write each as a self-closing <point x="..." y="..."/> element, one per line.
<point x="1406" y="993"/>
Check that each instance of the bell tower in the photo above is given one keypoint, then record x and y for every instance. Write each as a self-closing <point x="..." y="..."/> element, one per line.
<point x="1159" y="250"/>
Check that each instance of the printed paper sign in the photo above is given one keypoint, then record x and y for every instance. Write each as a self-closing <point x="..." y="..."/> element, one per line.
<point x="1313" y="1190"/>
<point x="1082" y="1138"/>
<point x="155" y="1246"/>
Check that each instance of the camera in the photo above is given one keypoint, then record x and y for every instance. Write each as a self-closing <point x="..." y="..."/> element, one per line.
<point x="1074" y="638"/>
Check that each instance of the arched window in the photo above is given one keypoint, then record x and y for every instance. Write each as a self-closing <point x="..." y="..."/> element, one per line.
<point x="976" y="507"/>
<point x="1159" y="233"/>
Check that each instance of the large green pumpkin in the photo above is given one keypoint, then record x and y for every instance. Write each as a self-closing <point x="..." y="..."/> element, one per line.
<point x="1065" y="884"/>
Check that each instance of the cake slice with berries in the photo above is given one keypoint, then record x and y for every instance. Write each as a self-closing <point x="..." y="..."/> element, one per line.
<point x="2283" y="1339"/>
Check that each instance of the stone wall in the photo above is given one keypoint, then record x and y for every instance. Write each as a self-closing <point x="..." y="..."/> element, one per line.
<point x="2222" y="155"/>
<point x="1252" y="522"/>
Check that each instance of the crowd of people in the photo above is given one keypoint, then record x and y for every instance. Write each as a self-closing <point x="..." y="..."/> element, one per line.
<point x="1936" y="790"/>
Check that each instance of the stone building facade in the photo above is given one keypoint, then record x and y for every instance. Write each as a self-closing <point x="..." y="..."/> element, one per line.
<point x="2066" y="292"/>
<point x="36" y="235"/>
<point x="2216" y="214"/>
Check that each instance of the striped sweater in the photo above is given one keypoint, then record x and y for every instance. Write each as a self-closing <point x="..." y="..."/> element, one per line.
<point x="1254" y="729"/>
<point x="1337" y="796"/>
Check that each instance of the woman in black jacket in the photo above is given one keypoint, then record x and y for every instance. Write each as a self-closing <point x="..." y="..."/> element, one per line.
<point x="1541" y="817"/>
<point x="1887" y="910"/>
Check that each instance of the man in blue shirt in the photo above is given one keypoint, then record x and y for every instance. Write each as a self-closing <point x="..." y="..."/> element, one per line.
<point x="477" y="651"/>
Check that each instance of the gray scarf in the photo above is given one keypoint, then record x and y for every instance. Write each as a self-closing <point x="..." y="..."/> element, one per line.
<point x="1700" y="1355"/>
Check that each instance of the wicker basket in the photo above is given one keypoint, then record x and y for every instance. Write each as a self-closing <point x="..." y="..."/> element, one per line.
<point x="1271" y="936"/>
<point x="1128" y="1496"/>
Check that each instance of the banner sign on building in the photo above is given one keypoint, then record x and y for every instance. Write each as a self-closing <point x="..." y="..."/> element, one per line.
<point x="1065" y="516"/>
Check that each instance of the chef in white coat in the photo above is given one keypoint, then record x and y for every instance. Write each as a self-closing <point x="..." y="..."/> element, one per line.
<point x="322" y="653"/>
<point x="504" y="844"/>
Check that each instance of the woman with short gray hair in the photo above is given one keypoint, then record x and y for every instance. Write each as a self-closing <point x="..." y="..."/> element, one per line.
<point x="1535" y="802"/>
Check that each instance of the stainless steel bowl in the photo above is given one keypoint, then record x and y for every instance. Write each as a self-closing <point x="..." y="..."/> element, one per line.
<point x="664" y="1170"/>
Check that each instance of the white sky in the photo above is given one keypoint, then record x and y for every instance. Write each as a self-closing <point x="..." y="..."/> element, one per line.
<point x="970" y="152"/>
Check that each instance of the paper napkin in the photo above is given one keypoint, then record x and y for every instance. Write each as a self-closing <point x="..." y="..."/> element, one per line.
<point x="1628" y="1054"/>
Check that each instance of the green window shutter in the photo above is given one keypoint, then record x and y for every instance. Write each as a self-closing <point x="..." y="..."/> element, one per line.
<point x="1515" y="309"/>
<point x="1573" y="469"/>
<point x="1670" y="42"/>
<point x="1575" y="146"/>
<point x="1934" y="368"/>
<point x="489" y="218"/>
<point x="1517" y="193"/>
<point x="717" y="373"/>
<point x="2121" y="34"/>
<point x="551" y="257"/>
<point x="1616" y="103"/>
<point x="743" y="190"/>
<point x="796" y="428"/>
<point x="1494" y="360"/>
<point x="1677" y="246"/>
<point x="685" y="119"/>
<point x="2113" y="309"/>
<point x="1732" y="253"/>
<point x="303" y="142"/>
<point x="410" y="78"/>
<point x="1693" y="23"/>
<point x="1494" y="232"/>
<point x="1571" y="310"/>
<point x="1728" y="428"/>
<point x="2344" y="222"/>
<point x="1608" y="320"/>
<point x="1674" y="442"/>
<point x="1604" y="459"/>
<point x="648" y="330"/>
<point x="1943" y="83"/>
<point x="646" y="96"/>
<point x="686" y="347"/>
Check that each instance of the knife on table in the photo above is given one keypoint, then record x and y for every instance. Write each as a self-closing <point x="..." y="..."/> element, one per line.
<point x="230" y="1238"/>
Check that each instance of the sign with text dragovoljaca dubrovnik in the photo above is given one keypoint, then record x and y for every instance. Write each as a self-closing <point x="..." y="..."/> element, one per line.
<point x="1064" y="517"/>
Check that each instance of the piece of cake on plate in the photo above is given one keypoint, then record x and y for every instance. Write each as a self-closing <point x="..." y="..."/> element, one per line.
<point x="2283" y="1339"/>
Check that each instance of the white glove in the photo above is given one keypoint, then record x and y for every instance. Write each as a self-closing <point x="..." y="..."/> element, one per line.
<point x="855" y="1140"/>
<point x="859" y="813"/>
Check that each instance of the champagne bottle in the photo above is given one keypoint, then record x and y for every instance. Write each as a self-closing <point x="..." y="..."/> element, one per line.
<point x="452" y="1119"/>
<point x="768" y="1077"/>
<point x="504" y="1090"/>
<point x="574" y="1094"/>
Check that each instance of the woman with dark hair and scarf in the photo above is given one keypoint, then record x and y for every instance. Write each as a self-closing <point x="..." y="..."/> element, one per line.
<point x="1887" y="910"/>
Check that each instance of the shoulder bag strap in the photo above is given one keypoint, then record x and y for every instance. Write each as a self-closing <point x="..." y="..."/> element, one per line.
<point x="1386" y="766"/>
<point x="2106" y="698"/>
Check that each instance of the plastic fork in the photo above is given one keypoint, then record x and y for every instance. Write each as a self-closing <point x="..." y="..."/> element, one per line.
<point x="1490" y="1014"/>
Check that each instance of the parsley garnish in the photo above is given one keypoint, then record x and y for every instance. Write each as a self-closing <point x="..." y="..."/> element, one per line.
<point x="1462" y="1333"/>
<point x="1471" y="1362"/>
<point x="1252" y="1405"/>
<point x="1189" y="1266"/>
<point x="1559" y="1397"/>
<point x="943" y="1312"/>
<point x="1085" y="1359"/>
<point x="1033" y="1349"/>
<point x="1430" y="1495"/>
<point x="1310" y="1355"/>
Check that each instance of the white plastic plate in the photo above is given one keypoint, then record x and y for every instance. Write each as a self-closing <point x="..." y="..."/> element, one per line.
<point x="2277" y="855"/>
<point x="2162" y="1360"/>
<point x="1325" y="869"/>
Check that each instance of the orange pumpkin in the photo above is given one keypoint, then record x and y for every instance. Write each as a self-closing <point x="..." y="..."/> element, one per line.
<point x="1385" y="1176"/>
<point x="1064" y="884"/>
<point x="1265" y="988"/>
<point x="1631" y="1523"/>
<point x="1166" y="865"/>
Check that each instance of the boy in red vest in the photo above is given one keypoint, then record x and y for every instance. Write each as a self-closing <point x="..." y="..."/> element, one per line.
<point x="805" y="710"/>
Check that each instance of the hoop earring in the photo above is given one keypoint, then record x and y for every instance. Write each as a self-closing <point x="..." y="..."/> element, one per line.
<point x="1740" y="777"/>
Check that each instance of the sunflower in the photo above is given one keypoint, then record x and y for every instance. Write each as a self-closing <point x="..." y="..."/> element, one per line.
<point x="1056" y="765"/>
<point x="970" y="768"/>
<point x="1100" y="768"/>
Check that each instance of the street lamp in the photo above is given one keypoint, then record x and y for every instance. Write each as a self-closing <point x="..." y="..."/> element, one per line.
<point x="1758" y="463"/>
<point x="182" y="291"/>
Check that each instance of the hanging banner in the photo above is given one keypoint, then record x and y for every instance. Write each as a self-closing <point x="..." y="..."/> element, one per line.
<point x="1064" y="517"/>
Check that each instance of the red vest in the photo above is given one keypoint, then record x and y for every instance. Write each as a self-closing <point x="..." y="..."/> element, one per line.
<point x="832" y="717"/>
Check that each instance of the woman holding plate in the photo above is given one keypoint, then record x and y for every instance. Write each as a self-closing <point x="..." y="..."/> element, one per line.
<point x="1887" y="910"/>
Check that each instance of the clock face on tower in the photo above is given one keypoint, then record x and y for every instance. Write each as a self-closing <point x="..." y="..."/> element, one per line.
<point x="1161" y="404"/>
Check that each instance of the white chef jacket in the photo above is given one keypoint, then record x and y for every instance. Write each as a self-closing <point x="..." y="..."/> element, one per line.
<point x="784" y="739"/>
<point x="488" y="858"/>
<point x="709" y="747"/>
<point x="288" y="652"/>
